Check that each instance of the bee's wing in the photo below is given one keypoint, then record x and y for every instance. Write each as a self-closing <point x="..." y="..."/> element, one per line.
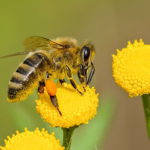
<point x="34" y="43"/>
<point x="37" y="42"/>
<point x="15" y="54"/>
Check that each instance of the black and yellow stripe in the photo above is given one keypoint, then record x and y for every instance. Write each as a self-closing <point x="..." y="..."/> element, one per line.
<point x="27" y="75"/>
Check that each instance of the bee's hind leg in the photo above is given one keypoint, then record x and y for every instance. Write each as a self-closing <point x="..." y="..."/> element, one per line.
<point x="55" y="103"/>
<point x="53" y="98"/>
<point x="41" y="87"/>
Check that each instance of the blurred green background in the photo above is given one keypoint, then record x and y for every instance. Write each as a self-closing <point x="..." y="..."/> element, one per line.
<point x="109" y="24"/>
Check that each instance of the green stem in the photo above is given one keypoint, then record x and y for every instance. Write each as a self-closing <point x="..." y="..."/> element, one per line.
<point x="146" y="105"/>
<point x="67" y="136"/>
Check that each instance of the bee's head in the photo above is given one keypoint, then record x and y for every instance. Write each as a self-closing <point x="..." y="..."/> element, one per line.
<point x="87" y="53"/>
<point x="86" y="66"/>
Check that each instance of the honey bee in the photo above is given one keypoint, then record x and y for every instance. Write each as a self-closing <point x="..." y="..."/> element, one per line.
<point x="60" y="58"/>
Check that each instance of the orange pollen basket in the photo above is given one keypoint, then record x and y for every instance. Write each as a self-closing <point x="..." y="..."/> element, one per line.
<point x="51" y="87"/>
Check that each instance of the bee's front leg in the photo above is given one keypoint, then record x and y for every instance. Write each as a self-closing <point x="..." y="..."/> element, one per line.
<point x="82" y="80"/>
<point x="82" y="74"/>
<point x="92" y="71"/>
<point x="69" y="74"/>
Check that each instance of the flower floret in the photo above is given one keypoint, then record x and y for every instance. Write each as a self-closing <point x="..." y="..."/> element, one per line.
<point x="32" y="140"/>
<point x="131" y="68"/>
<point x="76" y="109"/>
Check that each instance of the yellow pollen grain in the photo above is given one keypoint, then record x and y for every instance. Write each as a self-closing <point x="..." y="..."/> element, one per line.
<point x="131" y="68"/>
<point x="76" y="109"/>
<point x="32" y="140"/>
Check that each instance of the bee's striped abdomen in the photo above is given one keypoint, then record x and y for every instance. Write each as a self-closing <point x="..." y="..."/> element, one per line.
<point x="26" y="77"/>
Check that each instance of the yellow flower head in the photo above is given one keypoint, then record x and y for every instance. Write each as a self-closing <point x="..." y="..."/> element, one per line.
<point x="131" y="68"/>
<point x="36" y="140"/>
<point x="76" y="109"/>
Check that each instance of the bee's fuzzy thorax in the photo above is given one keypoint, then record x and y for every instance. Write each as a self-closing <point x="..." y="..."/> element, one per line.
<point x="67" y="40"/>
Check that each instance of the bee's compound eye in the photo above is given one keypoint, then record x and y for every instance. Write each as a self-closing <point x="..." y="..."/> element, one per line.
<point x="86" y="53"/>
